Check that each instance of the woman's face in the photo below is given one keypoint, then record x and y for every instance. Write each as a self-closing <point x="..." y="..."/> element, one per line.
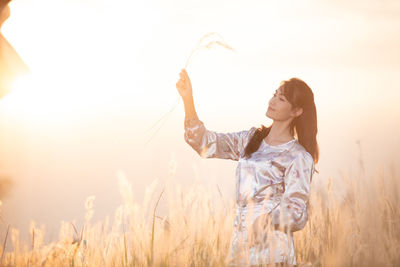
<point x="279" y="108"/>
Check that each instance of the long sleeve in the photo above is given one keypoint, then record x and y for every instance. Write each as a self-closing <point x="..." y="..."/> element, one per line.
<point x="210" y="144"/>
<point x="292" y="212"/>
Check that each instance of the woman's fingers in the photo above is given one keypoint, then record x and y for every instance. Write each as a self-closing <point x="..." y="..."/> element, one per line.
<point x="183" y="77"/>
<point x="184" y="85"/>
<point x="184" y="74"/>
<point x="179" y="84"/>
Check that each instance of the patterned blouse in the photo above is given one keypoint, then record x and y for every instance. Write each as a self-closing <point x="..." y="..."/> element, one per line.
<point x="274" y="182"/>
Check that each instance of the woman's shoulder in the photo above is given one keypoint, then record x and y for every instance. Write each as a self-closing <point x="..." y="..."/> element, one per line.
<point x="298" y="151"/>
<point x="253" y="129"/>
<point x="250" y="132"/>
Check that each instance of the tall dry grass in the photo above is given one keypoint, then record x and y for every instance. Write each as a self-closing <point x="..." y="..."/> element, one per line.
<point x="360" y="229"/>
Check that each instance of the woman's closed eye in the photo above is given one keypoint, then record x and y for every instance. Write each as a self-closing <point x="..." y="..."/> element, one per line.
<point x="280" y="98"/>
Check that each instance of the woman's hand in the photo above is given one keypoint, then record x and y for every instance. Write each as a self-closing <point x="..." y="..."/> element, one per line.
<point x="184" y="85"/>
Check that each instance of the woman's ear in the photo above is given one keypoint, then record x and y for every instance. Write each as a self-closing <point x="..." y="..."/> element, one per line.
<point x="298" y="112"/>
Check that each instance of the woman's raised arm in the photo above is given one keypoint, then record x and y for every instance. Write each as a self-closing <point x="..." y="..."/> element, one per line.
<point x="208" y="144"/>
<point x="184" y="87"/>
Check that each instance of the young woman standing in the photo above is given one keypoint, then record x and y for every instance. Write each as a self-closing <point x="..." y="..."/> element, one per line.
<point x="273" y="175"/>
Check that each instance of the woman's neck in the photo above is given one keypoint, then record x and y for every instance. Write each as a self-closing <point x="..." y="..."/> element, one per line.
<point x="279" y="133"/>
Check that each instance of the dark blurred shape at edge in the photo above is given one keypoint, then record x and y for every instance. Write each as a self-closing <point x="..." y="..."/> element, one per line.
<point x="11" y="64"/>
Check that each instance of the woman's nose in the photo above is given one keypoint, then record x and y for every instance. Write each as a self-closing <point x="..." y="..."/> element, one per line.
<point x="271" y="101"/>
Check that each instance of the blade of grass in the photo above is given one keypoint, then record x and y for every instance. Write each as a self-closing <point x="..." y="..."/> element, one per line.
<point x="5" y="243"/>
<point x="152" y="229"/>
<point x="199" y="46"/>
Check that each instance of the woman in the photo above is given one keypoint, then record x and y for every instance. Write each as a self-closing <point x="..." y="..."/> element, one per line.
<point x="273" y="175"/>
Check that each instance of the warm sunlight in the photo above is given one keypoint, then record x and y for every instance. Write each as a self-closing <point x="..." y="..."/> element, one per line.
<point x="76" y="64"/>
<point x="34" y="100"/>
<point x="90" y="113"/>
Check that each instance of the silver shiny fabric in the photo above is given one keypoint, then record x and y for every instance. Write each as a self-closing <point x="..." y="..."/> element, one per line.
<point x="273" y="182"/>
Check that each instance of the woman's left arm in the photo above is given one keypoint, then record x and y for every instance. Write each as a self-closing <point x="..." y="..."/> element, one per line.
<point x="292" y="213"/>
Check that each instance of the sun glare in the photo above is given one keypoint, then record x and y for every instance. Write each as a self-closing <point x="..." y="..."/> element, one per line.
<point x="76" y="64"/>
<point x="30" y="98"/>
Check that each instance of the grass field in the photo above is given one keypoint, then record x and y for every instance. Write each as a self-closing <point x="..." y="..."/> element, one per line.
<point x="358" y="228"/>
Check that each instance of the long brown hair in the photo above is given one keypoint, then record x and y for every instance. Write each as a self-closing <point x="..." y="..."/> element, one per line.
<point x="300" y="95"/>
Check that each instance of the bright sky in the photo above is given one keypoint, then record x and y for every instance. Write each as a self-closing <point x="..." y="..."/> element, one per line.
<point x="103" y="72"/>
